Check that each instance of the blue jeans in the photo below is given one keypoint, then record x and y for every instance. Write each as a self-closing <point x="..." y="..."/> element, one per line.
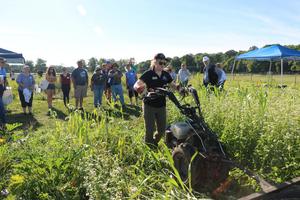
<point x="98" y="92"/>
<point x="117" y="90"/>
<point x="2" y="112"/>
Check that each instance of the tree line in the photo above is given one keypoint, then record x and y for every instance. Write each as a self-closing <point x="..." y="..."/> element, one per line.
<point x="194" y="63"/>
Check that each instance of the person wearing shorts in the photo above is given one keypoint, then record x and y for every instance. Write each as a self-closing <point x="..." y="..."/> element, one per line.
<point x="80" y="83"/>
<point x="131" y="78"/>
<point x="51" y="78"/>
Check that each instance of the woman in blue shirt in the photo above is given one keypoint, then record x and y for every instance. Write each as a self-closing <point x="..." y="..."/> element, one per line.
<point x="26" y="84"/>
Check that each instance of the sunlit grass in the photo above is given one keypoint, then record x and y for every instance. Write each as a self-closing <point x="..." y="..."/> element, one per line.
<point x="101" y="153"/>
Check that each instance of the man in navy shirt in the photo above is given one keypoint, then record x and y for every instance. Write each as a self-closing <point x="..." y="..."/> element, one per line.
<point x="80" y="81"/>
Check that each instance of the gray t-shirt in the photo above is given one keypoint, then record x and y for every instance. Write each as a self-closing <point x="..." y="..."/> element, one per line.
<point x="80" y="76"/>
<point x="183" y="75"/>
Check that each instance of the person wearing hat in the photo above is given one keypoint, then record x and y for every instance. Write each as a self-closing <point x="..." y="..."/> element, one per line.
<point x="154" y="109"/>
<point x="183" y="75"/>
<point x="80" y="81"/>
<point x="3" y="83"/>
<point x="98" y="82"/>
<point x="114" y="79"/>
<point x="210" y="76"/>
<point x="26" y="84"/>
<point x="65" y="81"/>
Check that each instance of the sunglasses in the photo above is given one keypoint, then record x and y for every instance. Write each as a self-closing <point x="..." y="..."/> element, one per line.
<point x="162" y="63"/>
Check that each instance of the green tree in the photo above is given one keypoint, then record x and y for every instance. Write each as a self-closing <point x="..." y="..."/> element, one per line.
<point x="40" y="65"/>
<point x="122" y="63"/>
<point x="231" y="53"/>
<point x="189" y="60"/>
<point x="143" y="66"/>
<point x="101" y="61"/>
<point x="199" y="63"/>
<point x="92" y="63"/>
<point x="176" y="63"/>
<point x="30" y="64"/>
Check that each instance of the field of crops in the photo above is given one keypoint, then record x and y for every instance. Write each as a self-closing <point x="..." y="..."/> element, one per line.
<point x="100" y="154"/>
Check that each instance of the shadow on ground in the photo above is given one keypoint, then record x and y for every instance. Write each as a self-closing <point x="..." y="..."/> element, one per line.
<point x="116" y="111"/>
<point x="27" y="121"/>
<point x="59" y="114"/>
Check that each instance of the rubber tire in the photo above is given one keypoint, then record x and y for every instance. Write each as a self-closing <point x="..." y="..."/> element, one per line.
<point x="181" y="158"/>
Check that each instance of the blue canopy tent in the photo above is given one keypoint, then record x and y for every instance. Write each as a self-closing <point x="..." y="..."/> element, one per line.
<point x="11" y="56"/>
<point x="270" y="53"/>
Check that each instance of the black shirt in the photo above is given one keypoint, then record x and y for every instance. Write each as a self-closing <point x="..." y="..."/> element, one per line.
<point x="153" y="81"/>
<point x="212" y="75"/>
<point x="99" y="79"/>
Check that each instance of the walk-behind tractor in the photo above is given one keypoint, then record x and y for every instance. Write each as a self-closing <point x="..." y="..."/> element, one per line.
<point x="198" y="155"/>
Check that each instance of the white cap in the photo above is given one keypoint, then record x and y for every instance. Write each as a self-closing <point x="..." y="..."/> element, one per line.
<point x="26" y="66"/>
<point x="205" y="58"/>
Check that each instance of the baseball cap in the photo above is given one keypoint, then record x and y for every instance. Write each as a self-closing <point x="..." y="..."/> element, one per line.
<point x="25" y="66"/>
<point x="107" y="62"/>
<point x="205" y="58"/>
<point x="160" y="56"/>
<point x="98" y="68"/>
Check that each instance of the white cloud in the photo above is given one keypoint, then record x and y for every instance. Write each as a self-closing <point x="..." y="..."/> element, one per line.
<point x="274" y="26"/>
<point x="81" y="10"/>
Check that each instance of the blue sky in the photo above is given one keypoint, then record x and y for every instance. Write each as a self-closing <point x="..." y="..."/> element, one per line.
<point x="63" y="31"/>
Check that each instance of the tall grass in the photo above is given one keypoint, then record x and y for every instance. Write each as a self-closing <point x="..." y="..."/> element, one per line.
<point x="101" y="154"/>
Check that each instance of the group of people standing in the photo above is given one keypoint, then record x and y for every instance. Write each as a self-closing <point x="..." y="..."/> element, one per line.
<point x="107" y="79"/>
<point x="214" y="74"/>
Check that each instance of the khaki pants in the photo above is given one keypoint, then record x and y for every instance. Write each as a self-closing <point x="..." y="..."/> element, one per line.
<point x="80" y="91"/>
<point x="154" y="115"/>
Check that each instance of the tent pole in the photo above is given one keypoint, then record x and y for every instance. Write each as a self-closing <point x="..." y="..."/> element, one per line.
<point x="281" y="70"/>
<point x="270" y="76"/>
<point x="270" y="67"/>
<point x="232" y="69"/>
